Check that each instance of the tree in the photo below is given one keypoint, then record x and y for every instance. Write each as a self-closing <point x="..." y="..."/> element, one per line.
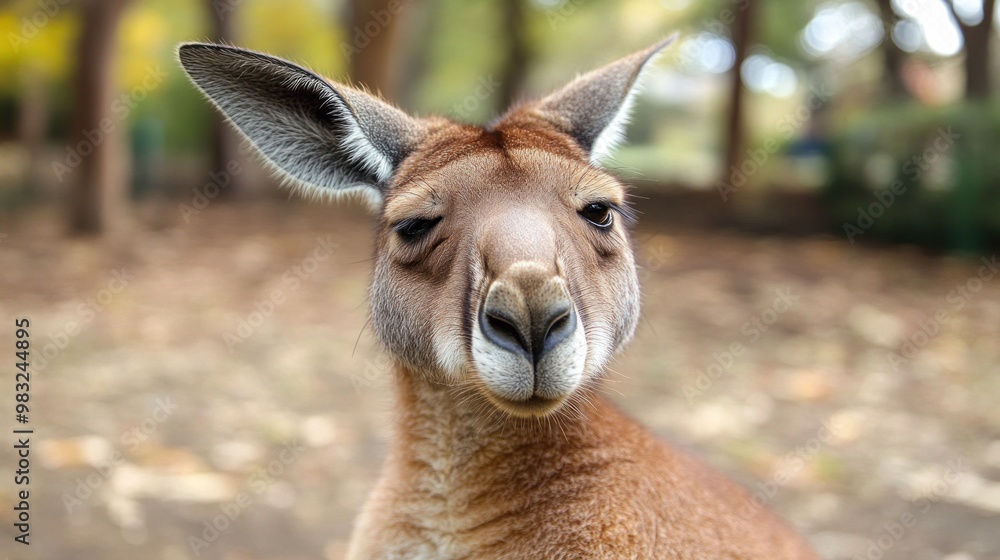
<point x="373" y="29"/>
<point x="741" y="30"/>
<point x="893" y="56"/>
<point x="32" y="122"/>
<point x="977" y="50"/>
<point x="518" y="52"/>
<point x="99" y="193"/>
<point x="225" y="141"/>
<point x="423" y="20"/>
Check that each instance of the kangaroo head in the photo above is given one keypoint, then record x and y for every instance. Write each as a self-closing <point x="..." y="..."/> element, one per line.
<point x="503" y="260"/>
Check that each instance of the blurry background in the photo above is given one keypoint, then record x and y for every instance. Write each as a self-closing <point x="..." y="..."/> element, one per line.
<point x="820" y="211"/>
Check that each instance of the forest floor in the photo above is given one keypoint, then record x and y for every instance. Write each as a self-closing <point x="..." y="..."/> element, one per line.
<point x="154" y="408"/>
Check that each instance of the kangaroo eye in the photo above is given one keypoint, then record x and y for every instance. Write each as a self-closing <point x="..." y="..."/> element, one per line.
<point x="413" y="229"/>
<point x="599" y="214"/>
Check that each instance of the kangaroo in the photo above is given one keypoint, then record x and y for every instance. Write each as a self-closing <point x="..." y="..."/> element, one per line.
<point x="504" y="281"/>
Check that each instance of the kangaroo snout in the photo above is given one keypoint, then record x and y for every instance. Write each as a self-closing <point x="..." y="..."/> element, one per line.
<point x="527" y="314"/>
<point x="529" y="347"/>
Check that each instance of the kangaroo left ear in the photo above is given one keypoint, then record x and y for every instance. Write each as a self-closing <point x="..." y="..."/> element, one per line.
<point x="324" y="137"/>
<point x="594" y="108"/>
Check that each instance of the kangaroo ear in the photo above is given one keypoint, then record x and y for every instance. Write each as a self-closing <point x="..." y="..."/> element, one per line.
<point x="323" y="137"/>
<point x="594" y="108"/>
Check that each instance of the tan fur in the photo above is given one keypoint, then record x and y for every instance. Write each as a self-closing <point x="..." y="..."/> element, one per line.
<point x="464" y="478"/>
<point x="504" y="282"/>
<point x="589" y="483"/>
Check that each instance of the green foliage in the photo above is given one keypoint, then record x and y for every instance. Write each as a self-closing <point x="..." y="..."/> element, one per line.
<point x="298" y="30"/>
<point x="189" y="131"/>
<point x="561" y="38"/>
<point x="43" y="47"/>
<point x="941" y="164"/>
<point x="463" y="47"/>
<point x="779" y="26"/>
<point x="460" y="55"/>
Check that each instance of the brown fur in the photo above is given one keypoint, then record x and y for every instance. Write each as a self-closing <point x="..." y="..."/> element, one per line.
<point x="464" y="479"/>
<point x="588" y="483"/>
<point x="504" y="282"/>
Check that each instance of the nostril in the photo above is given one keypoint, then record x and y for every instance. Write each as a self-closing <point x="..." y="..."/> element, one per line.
<point x="505" y="328"/>
<point x="558" y="326"/>
<point x="561" y="325"/>
<point x="502" y="332"/>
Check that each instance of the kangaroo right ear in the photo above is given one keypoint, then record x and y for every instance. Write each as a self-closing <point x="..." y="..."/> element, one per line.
<point x="326" y="138"/>
<point x="594" y="108"/>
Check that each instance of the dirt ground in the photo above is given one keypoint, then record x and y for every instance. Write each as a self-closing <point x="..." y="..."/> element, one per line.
<point x="217" y="371"/>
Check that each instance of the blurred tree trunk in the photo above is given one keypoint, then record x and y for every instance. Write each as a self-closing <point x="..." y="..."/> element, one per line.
<point x="225" y="140"/>
<point x="99" y="195"/>
<point x="518" y="55"/>
<point x="978" y="84"/>
<point x="32" y="123"/>
<point x="421" y="23"/>
<point x="893" y="56"/>
<point x="373" y="29"/>
<point x="741" y="32"/>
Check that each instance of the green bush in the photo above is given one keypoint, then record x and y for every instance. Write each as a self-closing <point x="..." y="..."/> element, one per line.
<point x="916" y="174"/>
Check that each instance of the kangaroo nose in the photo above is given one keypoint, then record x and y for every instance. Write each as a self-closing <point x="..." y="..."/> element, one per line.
<point x="527" y="315"/>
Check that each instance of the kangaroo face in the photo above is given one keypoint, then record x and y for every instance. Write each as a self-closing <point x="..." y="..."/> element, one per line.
<point x="503" y="263"/>
<point x="507" y="268"/>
